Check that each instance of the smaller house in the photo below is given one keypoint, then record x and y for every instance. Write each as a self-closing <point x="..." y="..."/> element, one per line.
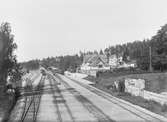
<point x="131" y="63"/>
<point x="113" y="61"/>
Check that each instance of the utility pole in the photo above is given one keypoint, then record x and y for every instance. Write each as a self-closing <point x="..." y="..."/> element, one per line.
<point x="150" y="55"/>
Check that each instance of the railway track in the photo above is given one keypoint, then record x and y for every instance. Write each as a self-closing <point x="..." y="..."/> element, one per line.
<point x="59" y="100"/>
<point x="101" y="117"/>
<point x="94" y="110"/>
<point x="116" y="101"/>
<point x="28" y="89"/>
<point x="32" y="103"/>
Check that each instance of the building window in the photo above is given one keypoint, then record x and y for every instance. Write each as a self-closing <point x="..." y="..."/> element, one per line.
<point x="100" y="66"/>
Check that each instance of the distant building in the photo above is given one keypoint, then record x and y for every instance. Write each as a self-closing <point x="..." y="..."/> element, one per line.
<point x="113" y="61"/>
<point x="95" y="62"/>
<point x="131" y="63"/>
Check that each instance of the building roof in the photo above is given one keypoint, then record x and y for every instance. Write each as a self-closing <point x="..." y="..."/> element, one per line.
<point x="95" y="59"/>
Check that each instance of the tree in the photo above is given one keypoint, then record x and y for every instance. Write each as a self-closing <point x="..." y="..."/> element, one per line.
<point x="9" y="65"/>
<point x="33" y="65"/>
<point x="159" y="46"/>
<point x="125" y="54"/>
<point x="101" y="52"/>
<point x="95" y="52"/>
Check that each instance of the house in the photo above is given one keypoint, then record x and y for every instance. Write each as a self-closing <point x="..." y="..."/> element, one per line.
<point x="113" y="61"/>
<point x="95" y="62"/>
<point x="132" y="63"/>
<point x="101" y="62"/>
<point x="128" y="64"/>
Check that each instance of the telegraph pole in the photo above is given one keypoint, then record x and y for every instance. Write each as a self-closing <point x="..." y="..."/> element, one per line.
<point x="150" y="55"/>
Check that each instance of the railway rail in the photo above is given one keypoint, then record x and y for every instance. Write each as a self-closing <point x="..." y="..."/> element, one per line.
<point x="101" y="117"/>
<point x="94" y="110"/>
<point x="32" y="103"/>
<point x="29" y="84"/>
<point x="59" y="99"/>
<point x="116" y="101"/>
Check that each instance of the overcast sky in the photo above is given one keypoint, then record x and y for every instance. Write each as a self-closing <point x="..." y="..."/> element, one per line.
<point x="45" y="28"/>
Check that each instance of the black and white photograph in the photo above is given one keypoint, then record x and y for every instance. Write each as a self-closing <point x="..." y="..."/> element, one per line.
<point x="83" y="60"/>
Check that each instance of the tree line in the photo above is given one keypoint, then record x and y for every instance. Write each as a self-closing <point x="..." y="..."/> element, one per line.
<point x="30" y="65"/>
<point x="152" y="50"/>
<point x="69" y="62"/>
<point x="137" y="50"/>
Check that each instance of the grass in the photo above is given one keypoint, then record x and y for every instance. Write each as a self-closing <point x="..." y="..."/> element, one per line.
<point x="155" y="82"/>
<point x="137" y="100"/>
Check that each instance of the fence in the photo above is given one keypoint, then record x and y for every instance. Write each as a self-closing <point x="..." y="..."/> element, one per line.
<point x="154" y="96"/>
<point x="137" y="91"/>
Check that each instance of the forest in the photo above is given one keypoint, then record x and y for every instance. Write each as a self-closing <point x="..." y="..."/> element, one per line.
<point x="152" y="50"/>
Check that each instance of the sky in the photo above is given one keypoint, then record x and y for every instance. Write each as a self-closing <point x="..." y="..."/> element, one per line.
<point x="45" y="28"/>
